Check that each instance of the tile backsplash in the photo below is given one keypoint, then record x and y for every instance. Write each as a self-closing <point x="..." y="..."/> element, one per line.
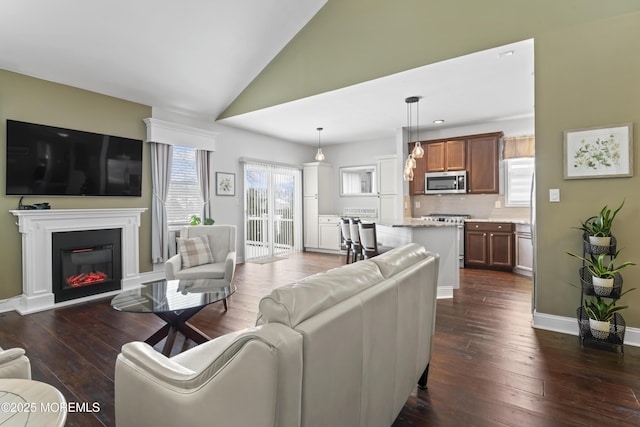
<point x="481" y="206"/>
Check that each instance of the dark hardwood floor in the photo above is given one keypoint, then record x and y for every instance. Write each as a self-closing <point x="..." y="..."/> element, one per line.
<point x="489" y="366"/>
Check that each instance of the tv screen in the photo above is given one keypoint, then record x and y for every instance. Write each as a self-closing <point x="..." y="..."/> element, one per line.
<point x="51" y="161"/>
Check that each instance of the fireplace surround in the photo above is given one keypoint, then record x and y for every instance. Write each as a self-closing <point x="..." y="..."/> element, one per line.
<point x="37" y="228"/>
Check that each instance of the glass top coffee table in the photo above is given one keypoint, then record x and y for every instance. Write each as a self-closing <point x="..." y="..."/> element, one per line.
<point x="175" y="302"/>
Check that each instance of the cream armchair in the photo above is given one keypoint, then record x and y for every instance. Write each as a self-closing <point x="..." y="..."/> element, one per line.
<point x="14" y="364"/>
<point x="194" y="262"/>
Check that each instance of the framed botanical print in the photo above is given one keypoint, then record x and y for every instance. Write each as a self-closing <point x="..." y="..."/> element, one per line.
<point x="600" y="152"/>
<point x="225" y="184"/>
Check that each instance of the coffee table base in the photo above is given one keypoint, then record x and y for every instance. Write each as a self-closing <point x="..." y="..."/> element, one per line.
<point x="177" y="322"/>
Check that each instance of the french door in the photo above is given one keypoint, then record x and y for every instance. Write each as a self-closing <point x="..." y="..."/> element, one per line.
<point x="272" y="210"/>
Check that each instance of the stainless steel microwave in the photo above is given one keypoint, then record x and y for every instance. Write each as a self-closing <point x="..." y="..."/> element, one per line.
<point x="445" y="182"/>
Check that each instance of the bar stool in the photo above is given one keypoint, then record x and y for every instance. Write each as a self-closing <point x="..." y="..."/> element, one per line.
<point x="356" y="247"/>
<point x="346" y="237"/>
<point x="369" y="240"/>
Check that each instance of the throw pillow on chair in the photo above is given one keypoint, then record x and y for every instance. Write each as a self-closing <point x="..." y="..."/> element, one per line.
<point x="195" y="251"/>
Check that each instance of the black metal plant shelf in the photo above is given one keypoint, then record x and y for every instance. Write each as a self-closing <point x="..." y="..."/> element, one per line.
<point x="615" y="339"/>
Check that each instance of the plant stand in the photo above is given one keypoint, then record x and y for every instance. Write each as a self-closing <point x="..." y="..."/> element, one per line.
<point x="615" y="340"/>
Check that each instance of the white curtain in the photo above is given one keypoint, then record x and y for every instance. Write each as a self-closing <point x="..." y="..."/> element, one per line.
<point x="161" y="159"/>
<point x="203" y="168"/>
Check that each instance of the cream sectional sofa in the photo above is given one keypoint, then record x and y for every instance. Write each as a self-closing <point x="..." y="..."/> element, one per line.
<point x="341" y="348"/>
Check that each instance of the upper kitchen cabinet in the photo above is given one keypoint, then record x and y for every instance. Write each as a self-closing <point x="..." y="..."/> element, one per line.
<point x="445" y="156"/>
<point x="482" y="163"/>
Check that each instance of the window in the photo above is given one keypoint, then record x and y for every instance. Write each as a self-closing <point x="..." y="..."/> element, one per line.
<point x="184" y="191"/>
<point x="518" y="176"/>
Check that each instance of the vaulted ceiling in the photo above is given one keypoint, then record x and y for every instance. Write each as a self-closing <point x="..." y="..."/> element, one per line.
<point x="197" y="57"/>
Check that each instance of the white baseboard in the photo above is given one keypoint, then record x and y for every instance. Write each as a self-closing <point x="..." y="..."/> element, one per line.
<point x="9" y="304"/>
<point x="569" y="326"/>
<point x="444" y="292"/>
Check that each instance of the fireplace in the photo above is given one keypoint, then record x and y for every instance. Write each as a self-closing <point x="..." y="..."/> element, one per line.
<point x="84" y="263"/>
<point x="37" y="228"/>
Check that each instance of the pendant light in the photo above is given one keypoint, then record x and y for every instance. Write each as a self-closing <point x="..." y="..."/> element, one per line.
<point x="319" y="155"/>
<point x="407" y="175"/>
<point x="418" y="151"/>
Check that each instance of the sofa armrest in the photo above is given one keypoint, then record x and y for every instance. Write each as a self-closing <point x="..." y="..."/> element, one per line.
<point x="172" y="266"/>
<point x="10" y="354"/>
<point x="230" y="266"/>
<point x="147" y="359"/>
<point x="14" y="364"/>
<point x="205" y="383"/>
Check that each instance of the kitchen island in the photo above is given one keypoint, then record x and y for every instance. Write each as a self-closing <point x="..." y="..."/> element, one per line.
<point x="438" y="237"/>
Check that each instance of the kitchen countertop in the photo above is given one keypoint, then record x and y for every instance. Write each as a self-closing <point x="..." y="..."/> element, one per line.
<point x="416" y="223"/>
<point x="512" y="220"/>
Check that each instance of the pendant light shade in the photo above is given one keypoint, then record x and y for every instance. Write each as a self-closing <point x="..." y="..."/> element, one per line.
<point x="407" y="175"/>
<point x="411" y="161"/>
<point x="319" y="155"/>
<point x="418" y="151"/>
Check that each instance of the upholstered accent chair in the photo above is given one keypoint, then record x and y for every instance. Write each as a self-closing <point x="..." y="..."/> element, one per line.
<point x="204" y="252"/>
<point x="14" y="364"/>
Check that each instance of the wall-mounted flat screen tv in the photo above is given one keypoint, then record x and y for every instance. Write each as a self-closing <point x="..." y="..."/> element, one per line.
<point x="51" y="161"/>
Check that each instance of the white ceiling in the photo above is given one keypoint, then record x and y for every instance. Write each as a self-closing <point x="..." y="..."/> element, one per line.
<point x="477" y="88"/>
<point x="191" y="56"/>
<point x="197" y="56"/>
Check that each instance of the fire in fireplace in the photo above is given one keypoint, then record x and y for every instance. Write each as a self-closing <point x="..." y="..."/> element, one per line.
<point x="86" y="263"/>
<point x="87" y="266"/>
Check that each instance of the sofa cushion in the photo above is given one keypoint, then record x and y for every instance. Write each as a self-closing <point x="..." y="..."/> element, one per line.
<point x="205" y="271"/>
<point x="195" y="251"/>
<point x="400" y="258"/>
<point x="294" y="303"/>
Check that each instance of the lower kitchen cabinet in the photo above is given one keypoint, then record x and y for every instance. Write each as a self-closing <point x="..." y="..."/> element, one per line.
<point x="524" y="250"/>
<point x="489" y="245"/>
<point x="330" y="234"/>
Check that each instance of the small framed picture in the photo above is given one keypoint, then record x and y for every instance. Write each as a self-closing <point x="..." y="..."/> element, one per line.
<point x="225" y="184"/>
<point x="600" y="152"/>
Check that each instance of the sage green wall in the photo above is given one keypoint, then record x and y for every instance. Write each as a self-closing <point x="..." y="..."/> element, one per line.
<point x="38" y="101"/>
<point x="586" y="75"/>
<point x="586" y="65"/>
<point x="352" y="41"/>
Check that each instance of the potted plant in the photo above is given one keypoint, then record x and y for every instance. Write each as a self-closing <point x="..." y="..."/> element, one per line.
<point x="598" y="228"/>
<point x="600" y="313"/>
<point x="602" y="273"/>
<point x="196" y="220"/>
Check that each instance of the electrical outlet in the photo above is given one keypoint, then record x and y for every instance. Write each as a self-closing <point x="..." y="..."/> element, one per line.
<point x="417" y="205"/>
<point x="498" y="204"/>
<point x="554" y="194"/>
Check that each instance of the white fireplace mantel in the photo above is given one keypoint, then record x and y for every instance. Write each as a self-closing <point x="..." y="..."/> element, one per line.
<point x="37" y="227"/>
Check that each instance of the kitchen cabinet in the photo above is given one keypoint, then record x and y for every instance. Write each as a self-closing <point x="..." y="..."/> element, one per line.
<point x="489" y="245"/>
<point x="483" y="163"/>
<point x="329" y="232"/>
<point x="524" y="250"/>
<point x="445" y="156"/>
<point x="317" y="200"/>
